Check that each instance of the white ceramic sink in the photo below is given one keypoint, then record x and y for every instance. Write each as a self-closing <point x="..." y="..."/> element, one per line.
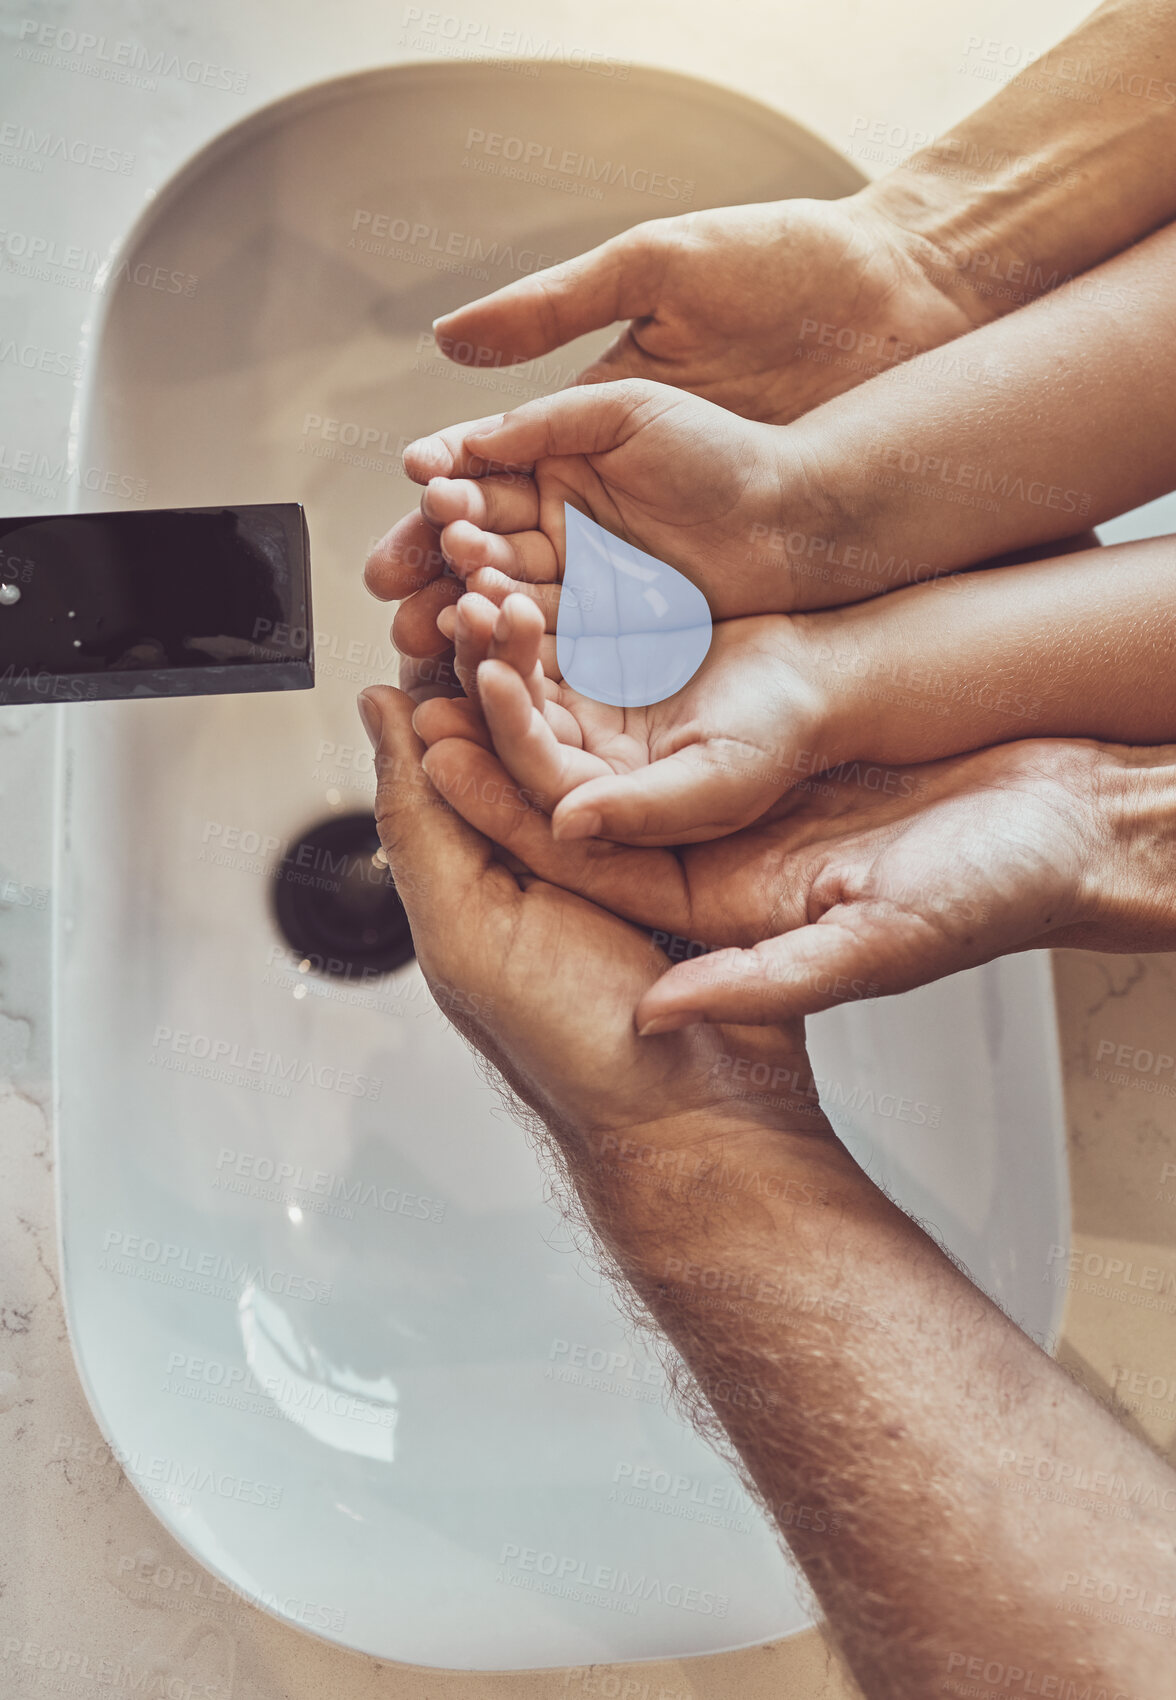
<point x="384" y="1398"/>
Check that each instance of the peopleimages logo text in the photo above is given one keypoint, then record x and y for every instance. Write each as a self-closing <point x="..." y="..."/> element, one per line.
<point x="235" y="1275"/>
<point x="228" y="1053"/>
<point x="572" y="1572"/>
<point x="568" y="162"/>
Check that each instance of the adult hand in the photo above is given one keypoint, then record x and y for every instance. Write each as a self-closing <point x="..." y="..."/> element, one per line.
<point x="751" y="307"/>
<point x="542" y="981"/>
<point x="786" y="1282"/>
<point x="873" y="880"/>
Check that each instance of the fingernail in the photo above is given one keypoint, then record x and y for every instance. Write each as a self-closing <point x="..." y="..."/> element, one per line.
<point x="668" y="1023"/>
<point x="373" y="725"/>
<point x="586" y="824"/>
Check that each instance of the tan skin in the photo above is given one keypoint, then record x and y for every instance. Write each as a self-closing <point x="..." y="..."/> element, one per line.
<point x="927" y="672"/>
<point x="873" y="876"/>
<point x="719" y="301"/>
<point x="1059" y="417"/>
<point x="838" y="1312"/>
<point x="738" y="305"/>
<point x="1031" y="189"/>
<point x="928" y="1582"/>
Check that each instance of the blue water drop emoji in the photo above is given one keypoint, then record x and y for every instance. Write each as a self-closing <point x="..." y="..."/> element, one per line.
<point x="631" y="630"/>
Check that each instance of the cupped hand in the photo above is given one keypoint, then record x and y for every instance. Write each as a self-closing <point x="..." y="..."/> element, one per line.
<point x="765" y="310"/>
<point x="747" y="513"/>
<point x="864" y="882"/>
<point x="687" y="482"/>
<point x="542" y="981"/>
<point x="701" y="763"/>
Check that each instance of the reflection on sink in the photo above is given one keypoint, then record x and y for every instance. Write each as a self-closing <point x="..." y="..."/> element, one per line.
<point x="318" y="1297"/>
<point x="337" y="1407"/>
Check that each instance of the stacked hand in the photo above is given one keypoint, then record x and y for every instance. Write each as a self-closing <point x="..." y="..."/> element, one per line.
<point x="700" y="764"/>
<point x="800" y="678"/>
<point x="683" y="479"/>
<point x="731" y="304"/>
<point x="808" y="897"/>
<point x="866" y="882"/>
<point x="733" y="817"/>
<point x="541" y="980"/>
<point x="736" y="305"/>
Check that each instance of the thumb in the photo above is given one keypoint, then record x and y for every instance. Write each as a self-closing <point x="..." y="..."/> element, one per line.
<point x="432" y="853"/>
<point x="849" y="954"/>
<point x="590" y="419"/>
<point x="617" y="280"/>
<point x="685" y="798"/>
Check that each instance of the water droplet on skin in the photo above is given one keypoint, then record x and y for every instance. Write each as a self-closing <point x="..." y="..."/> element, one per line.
<point x="630" y="630"/>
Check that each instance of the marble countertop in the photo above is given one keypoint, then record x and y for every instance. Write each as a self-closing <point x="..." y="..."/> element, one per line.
<point x="90" y="1583"/>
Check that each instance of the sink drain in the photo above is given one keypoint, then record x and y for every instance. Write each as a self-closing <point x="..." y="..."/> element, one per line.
<point x="336" y="904"/>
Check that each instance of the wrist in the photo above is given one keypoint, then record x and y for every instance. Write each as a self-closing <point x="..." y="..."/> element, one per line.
<point x="942" y="230"/>
<point x="855" y="524"/>
<point x="989" y="239"/>
<point x="1129" y="896"/>
<point x="689" y="1183"/>
<point x="858" y="685"/>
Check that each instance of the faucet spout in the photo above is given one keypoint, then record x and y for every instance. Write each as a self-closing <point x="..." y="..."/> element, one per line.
<point x="155" y="603"/>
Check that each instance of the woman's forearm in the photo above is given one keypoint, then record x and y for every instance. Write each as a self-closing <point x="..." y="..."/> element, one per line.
<point x="1082" y="646"/>
<point x="1058" y="171"/>
<point x="1022" y="432"/>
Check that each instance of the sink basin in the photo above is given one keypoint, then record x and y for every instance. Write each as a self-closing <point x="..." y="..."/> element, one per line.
<point x="323" y="1309"/>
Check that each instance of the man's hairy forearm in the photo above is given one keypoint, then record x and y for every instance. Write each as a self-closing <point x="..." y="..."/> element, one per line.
<point x="1020" y="433"/>
<point x="1061" y="169"/>
<point x="887" y="1413"/>
<point x="1080" y="646"/>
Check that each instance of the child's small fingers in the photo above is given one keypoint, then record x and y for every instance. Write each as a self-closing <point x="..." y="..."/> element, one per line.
<point x="565" y="725"/>
<point x="517" y="635"/>
<point x="495" y="504"/>
<point x="518" y="631"/>
<point x="473" y="628"/>
<point x="549" y="662"/>
<point x="496" y="587"/>
<point x="525" y="743"/>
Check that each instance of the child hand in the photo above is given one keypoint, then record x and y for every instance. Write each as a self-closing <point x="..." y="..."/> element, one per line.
<point x="698" y="765"/>
<point x="682" y="479"/>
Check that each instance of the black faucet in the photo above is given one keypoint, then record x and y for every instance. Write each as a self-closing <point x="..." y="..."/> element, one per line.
<point x="164" y="602"/>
